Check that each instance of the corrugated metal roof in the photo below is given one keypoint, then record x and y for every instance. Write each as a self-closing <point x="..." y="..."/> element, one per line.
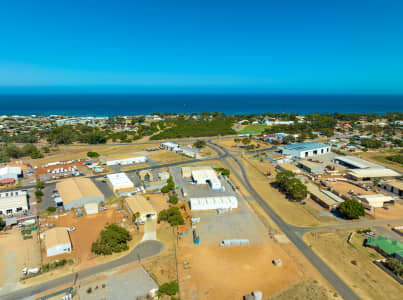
<point x="304" y="146"/>
<point x="385" y="244"/>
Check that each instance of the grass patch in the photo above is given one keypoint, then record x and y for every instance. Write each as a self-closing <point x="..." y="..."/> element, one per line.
<point x="255" y="128"/>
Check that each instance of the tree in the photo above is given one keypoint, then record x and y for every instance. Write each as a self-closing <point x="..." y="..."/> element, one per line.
<point x="40" y="185"/>
<point x="173" y="199"/>
<point x="351" y="209"/>
<point x="168" y="288"/>
<point x="38" y="193"/>
<point x="199" y="144"/>
<point x="92" y="154"/>
<point x="172" y="215"/>
<point x="112" y="239"/>
<point x="291" y="186"/>
<point x="289" y="139"/>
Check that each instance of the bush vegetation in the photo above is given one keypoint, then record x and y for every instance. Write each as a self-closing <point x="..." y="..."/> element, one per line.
<point x="112" y="239"/>
<point x="291" y="186"/>
<point x="172" y="215"/>
<point x="351" y="209"/>
<point x="170" y="185"/>
<point x="395" y="266"/>
<point x="168" y="288"/>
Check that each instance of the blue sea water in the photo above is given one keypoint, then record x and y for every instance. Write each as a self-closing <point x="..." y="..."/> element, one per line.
<point x="135" y="104"/>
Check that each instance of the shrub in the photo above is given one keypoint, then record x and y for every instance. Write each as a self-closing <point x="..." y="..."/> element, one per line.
<point x="92" y="154"/>
<point x="173" y="199"/>
<point x="168" y="288"/>
<point x="2" y="224"/>
<point x="51" y="209"/>
<point x="112" y="239"/>
<point x="172" y="215"/>
<point x="38" y="193"/>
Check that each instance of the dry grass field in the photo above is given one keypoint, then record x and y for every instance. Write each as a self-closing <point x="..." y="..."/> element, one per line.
<point x="293" y="213"/>
<point x="353" y="263"/>
<point x="162" y="267"/>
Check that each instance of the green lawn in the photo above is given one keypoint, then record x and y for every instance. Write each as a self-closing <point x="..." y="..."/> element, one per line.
<point x="256" y="128"/>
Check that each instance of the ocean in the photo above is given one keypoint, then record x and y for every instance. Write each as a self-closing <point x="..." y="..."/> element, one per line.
<point x="136" y="104"/>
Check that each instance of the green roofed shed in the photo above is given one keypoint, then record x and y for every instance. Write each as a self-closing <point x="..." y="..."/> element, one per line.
<point x="387" y="245"/>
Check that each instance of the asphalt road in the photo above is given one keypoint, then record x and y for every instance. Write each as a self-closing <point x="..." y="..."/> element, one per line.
<point x="143" y="250"/>
<point x="339" y="285"/>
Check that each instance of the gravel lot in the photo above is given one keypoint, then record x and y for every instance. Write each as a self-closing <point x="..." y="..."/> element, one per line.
<point x="121" y="285"/>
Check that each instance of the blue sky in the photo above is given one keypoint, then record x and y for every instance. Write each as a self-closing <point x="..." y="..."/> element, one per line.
<point x="201" y="46"/>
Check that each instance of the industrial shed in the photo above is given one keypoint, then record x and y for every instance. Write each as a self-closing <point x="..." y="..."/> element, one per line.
<point x="57" y="241"/>
<point x="10" y="172"/>
<point x="373" y="172"/>
<point x="77" y="191"/>
<point x="127" y="161"/>
<point x="322" y="198"/>
<point x="377" y="200"/>
<point x="353" y="162"/>
<point x="394" y="186"/>
<point x="288" y="167"/>
<point x="138" y="203"/>
<point x="119" y="181"/>
<point x="207" y="203"/>
<point x="306" y="149"/>
<point x="311" y="167"/>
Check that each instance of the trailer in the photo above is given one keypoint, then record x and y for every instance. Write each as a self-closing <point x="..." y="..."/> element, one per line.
<point x="234" y="242"/>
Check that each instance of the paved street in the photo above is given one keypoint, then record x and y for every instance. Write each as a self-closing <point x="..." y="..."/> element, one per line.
<point x="342" y="288"/>
<point x="143" y="250"/>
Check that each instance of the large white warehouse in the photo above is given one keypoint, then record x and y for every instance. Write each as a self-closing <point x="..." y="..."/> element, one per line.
<point x="119" y="181"/>
<point x="206" y="203"/>
<point x="13" y="202"/>
<point x="207" y="176"/>
<point x="307" y="149"/>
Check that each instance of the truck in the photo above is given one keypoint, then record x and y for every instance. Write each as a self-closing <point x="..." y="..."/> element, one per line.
<point x="27" y="271"/>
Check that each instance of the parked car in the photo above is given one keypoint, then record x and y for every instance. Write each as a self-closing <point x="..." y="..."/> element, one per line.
<point x="370" y="233"/>
<point x="55" y="191"/>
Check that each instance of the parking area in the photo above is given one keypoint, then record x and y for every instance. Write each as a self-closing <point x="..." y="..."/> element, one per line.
<point x="47" y="199"/>
<point x="240" y="223"/>
<point x="103" y="186"/>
